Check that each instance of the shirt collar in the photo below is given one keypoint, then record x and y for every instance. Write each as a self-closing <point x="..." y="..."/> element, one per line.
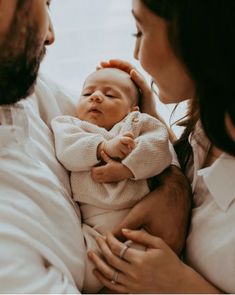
<point x="13" y="124"/>
<point x="220" y="180"/>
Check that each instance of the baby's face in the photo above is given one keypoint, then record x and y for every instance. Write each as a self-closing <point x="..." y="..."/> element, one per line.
<point x="106" y="98"/>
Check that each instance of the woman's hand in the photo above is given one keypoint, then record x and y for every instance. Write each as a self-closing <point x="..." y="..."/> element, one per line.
<point x="148" y="102"/>
<point x="156" y="270"/>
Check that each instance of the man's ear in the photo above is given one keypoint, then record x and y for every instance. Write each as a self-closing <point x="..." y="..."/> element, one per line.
<point x="135" y="109"/>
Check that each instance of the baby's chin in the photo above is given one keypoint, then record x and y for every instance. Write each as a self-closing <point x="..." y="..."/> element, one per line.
<point x="93" y="120"/>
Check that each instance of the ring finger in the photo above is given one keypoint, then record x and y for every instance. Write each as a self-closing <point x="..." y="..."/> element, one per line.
<point x="111" y="275"/>
<point x="118" y="287"/>
<point x="110" y="257"/>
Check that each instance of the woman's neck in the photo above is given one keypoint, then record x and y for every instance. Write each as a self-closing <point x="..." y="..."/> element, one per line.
<point x="213" y="154"/>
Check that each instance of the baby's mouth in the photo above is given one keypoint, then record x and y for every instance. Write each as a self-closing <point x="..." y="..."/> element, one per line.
<point x="94" y="110"/>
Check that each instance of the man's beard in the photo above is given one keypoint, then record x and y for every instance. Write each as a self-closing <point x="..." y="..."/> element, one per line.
<point x="17" y="77"/>
<point x="20" y="58"/>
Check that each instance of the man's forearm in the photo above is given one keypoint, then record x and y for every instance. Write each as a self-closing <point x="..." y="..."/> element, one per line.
<point x="172" y="206"/>
<point x="165" y="211"/>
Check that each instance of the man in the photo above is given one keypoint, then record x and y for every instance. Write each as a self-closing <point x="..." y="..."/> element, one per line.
<point x="42" y="246"/>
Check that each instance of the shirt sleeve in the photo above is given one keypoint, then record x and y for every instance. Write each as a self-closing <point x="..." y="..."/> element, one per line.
<point x="76" y="148"/>
<point x="152" y="153"/>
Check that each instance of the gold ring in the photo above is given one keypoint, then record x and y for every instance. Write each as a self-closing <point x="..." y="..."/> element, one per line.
<point x="123" y="251"/>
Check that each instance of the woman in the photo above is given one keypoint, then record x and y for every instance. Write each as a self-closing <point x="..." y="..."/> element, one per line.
<point x="187" y="46"/>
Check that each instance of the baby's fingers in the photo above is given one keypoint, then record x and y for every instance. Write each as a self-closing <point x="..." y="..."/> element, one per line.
<point x="128" y="142"/>
<point x="129" y="134"/>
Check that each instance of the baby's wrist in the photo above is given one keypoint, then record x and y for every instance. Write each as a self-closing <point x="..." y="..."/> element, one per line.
<point x="100" y="148"/>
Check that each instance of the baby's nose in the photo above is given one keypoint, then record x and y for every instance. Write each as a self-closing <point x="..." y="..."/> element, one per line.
<point x="97" y="97"/>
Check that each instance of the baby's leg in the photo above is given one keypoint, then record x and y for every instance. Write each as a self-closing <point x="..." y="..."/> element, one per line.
<point x="91" y="284"/>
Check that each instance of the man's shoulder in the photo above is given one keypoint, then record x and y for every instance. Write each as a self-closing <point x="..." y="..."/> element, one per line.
<point x="53" y="99"/>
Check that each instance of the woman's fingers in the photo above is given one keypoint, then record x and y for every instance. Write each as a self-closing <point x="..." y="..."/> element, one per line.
<point x="144" y="238"/>
<point x="101" y="265"/>
<point x="117" y="63"/>
<point x="122" y="65"/>
<point x="105" y="272"/>
<point x="110" y="257"/>
<point x="140" y="81"/>
<point x="130" y="255"/>
<point x="117" y="287"/>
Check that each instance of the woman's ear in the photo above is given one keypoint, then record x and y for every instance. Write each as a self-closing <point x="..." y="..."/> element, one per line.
<point x="135" y="109"/>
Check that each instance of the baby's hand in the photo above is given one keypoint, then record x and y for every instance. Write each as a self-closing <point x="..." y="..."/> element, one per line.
<point x="112" y="171"/>
<point x="120" y="146"/>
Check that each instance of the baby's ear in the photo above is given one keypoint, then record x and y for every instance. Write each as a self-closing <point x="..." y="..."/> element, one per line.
<point x="135" y="109"/>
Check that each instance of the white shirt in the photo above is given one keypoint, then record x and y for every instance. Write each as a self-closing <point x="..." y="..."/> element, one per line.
<point x="41" y="244"/>
<point x="211" y="240"/>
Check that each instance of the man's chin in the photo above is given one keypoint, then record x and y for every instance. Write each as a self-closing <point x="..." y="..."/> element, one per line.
<point x="18" y="78"/>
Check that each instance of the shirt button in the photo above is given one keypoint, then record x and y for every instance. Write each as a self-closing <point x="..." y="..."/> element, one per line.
<point x="135" y="120"/>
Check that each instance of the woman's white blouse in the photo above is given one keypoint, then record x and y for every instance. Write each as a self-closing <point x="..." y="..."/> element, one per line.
<point x="210" y="247"/>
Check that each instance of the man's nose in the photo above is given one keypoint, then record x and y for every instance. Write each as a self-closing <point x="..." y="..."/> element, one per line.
<point x="50" y="38"/>
<point x="96" y="97"/>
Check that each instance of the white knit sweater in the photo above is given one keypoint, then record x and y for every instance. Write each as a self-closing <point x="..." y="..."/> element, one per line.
<point x="76" y="144"/>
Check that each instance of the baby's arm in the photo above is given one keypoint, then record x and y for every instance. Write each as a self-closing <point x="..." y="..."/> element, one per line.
<point x="118" y="147"/>
<point x="151" y="154"/>
<point x="75" y="146"/>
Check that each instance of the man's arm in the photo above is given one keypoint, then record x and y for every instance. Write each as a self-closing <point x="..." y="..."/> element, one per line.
<point x="164" y="212"/>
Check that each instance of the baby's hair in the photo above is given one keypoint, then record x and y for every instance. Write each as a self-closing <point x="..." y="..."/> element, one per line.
<point x="137" y="99"/>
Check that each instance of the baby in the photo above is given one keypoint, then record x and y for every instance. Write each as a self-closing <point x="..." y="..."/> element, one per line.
<point x="111" y="150"/>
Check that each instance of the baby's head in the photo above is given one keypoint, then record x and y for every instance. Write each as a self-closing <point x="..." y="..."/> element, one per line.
<point x="108" y="95"/>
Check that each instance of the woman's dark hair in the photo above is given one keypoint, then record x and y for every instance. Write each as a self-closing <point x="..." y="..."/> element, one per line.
<point x="202" y="34"/>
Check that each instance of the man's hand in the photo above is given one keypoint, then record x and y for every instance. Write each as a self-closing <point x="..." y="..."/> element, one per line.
<point x="118" y="147"/>
<point x="112" y="171"/>
<point x="164" y="212"/>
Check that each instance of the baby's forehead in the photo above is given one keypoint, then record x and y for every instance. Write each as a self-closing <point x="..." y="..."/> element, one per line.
<point x="109" y="75"/>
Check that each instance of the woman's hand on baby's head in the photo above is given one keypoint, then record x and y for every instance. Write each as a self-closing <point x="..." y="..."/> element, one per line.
<point x="147" y="103"/>
<point x="117" y="63"/>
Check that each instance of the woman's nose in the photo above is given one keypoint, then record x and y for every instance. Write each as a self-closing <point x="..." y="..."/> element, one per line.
<point x="136" y="50"/>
